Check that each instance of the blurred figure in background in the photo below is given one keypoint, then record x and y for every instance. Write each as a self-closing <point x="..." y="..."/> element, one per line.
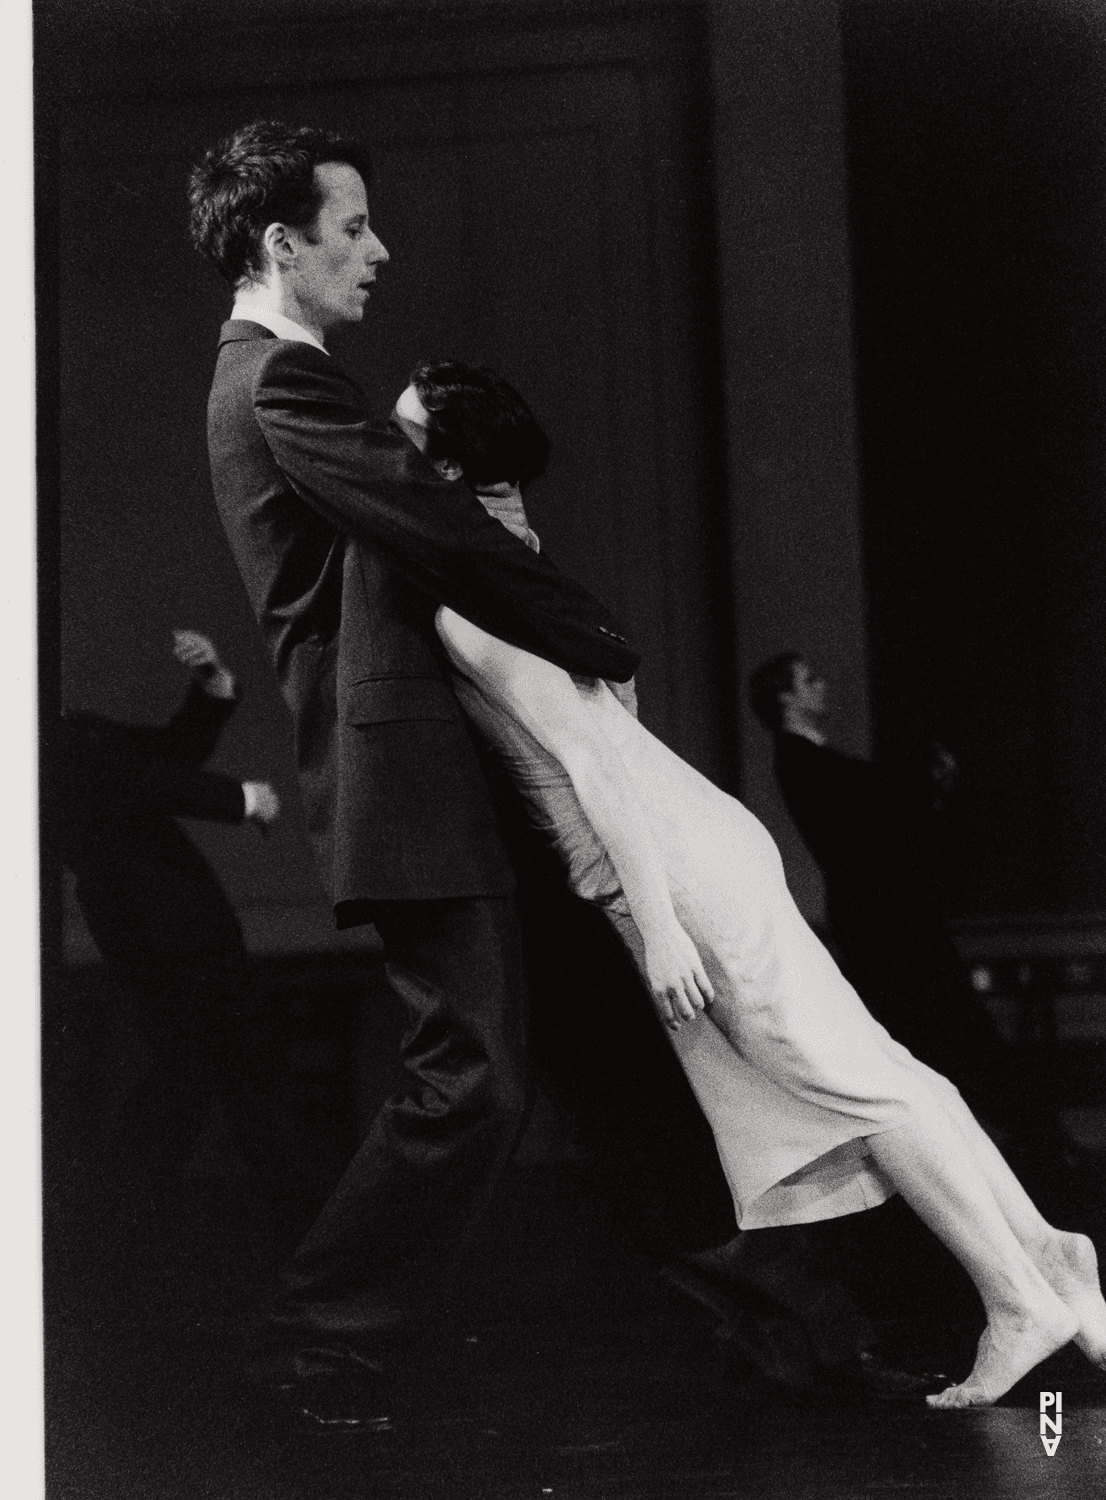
<point x="874" y="835"/>
<point x="162" y="922"/>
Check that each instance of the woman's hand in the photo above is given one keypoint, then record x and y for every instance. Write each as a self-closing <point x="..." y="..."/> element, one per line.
<point x="677" y="980"/>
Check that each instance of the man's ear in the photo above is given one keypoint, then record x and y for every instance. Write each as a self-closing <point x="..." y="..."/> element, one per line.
<point x="280" y="249"/>
<point x="449" y="468"/>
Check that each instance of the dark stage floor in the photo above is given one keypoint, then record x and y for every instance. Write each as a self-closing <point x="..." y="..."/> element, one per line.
<point x="559" y="1365"/>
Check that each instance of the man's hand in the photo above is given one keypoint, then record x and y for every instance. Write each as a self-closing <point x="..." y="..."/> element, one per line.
<point x="943" y="774"/>
<point x="626" y="693"/>
<point x="197" y="652"/>
<point x="262" y="803"/>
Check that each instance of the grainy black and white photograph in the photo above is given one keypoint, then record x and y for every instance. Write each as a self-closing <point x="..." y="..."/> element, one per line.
<point x="572" y="748"/>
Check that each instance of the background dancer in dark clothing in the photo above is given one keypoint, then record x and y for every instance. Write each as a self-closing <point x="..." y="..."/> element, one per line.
<point x="873" y="833"/>
<point x="157" y="913"/>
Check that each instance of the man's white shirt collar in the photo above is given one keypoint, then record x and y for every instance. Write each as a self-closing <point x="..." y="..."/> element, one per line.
<point x="284" y="328"/>
<point x="804" y="732"/>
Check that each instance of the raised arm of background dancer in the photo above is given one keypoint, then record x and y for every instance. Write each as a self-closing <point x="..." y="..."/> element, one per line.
<point x="188" y="791"/>
<point x="190" y="736"/>
<point x="200" y="655"/>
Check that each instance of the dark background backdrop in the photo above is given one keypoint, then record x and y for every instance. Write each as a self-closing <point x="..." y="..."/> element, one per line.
<point x="810" y="294"/>
<point x="811" y="298"/>
<point x="977" y="152"/>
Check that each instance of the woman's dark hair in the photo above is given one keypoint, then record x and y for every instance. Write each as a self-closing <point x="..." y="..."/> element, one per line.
<point x="771" y="678"/>
<point x="479" y="421"/>
<point x="262" y="174"/>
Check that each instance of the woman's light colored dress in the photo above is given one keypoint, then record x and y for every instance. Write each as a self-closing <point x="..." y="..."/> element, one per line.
<point x="789" y="1067"/>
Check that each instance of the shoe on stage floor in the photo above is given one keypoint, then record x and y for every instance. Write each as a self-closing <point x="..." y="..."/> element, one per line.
<point x="880" y="1382"/>
<point x="327" y="1390"/>
<point x="798" y="1334"/>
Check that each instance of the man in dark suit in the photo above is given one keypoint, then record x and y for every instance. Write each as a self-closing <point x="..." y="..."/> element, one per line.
<point x="157" y="913"/>
<point x="347" y="540"/>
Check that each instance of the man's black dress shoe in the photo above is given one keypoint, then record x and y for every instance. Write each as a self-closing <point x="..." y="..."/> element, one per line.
<point x="782" y="1287"/>
<point x="882" y="1382"/>
<point x="798" y="1330"/>
<point x="338" y="1402"/>
<point x="327" y="1390"/>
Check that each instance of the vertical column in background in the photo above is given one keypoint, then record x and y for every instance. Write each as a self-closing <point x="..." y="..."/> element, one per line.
<point x="787" y="347"/>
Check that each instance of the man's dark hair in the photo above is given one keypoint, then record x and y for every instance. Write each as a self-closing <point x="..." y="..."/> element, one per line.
<point x="479" y="421"/>
<point x="771" y="678"/>
<point x="262" y="174"/>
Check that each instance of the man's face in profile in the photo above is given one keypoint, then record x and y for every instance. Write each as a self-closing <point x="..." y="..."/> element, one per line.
<point x="809" y="691"/>
<point x="337" y="258"/>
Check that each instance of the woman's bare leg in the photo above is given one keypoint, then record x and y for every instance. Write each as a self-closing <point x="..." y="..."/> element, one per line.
<point x="1066" y="1260"/>
<point x="932" y="1165"/>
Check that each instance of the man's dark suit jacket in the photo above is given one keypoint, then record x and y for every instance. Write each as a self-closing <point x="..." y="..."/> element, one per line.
<point x="347" y="540"/>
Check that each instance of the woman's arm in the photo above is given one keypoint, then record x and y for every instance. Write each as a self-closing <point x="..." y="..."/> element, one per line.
<point x="543" y="699"/>
<point x="374" y="485"/>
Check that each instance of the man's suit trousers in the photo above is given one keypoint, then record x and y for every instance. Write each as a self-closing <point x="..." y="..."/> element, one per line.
<point x="412" y="1195"/>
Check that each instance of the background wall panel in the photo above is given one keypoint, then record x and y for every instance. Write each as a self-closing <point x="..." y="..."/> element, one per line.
<point x="545" y="201"/>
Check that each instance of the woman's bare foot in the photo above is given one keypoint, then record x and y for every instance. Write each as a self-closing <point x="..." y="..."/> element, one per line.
<point x="1070" y="1266"/>
<point x="1009" y="1347"/>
